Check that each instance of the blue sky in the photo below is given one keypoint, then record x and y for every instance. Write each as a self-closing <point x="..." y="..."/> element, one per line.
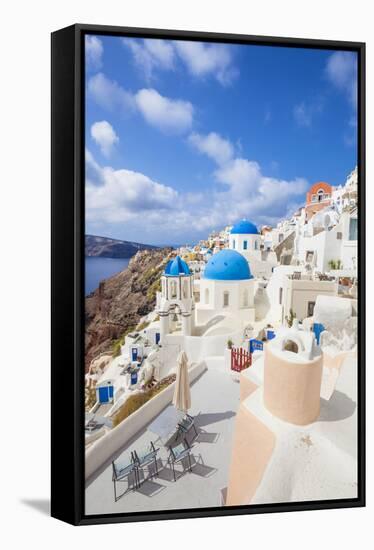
<point x="186" y="137"/>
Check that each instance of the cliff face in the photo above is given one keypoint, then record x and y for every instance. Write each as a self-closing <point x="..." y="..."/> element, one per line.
<point x="120" y="301"/>
<point x="112" y="248"/>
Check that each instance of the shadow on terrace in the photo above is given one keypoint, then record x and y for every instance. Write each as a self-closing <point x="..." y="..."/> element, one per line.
<point x="201" y="474"/>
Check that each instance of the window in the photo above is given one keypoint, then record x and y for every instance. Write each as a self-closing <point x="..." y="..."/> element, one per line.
<point x="185" y="289"/>
<point x="233" y="244"/>
<point x="311" y="308"/>
<point x="353" y="229"/>
<point x="226" y="299"/>
<point x="256" y="245"/>
<point x="339" y="235"/>
<point x="173" y="289"/>
<point x="245" y="245"/>
<point x="290" y="345"/>
<point x="207" y="295"/>
<point x="245" y="298"/>
<point x="309" y="256"/>
<point x="280" y="295"/>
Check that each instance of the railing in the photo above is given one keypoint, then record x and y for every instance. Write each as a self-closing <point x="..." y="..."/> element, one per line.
<point x="240" y="359"/>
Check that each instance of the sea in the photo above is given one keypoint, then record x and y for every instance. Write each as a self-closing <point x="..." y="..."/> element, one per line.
<point x="98" y="269"/>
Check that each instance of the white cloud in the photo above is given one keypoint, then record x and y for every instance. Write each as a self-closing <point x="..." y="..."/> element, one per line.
<point x="151" y="53"/>
<point x="350" y="136"/>
<point x="169" y="115"/>
<point x="240" y="174"/>
<point x="93" y="52"/>
<point x="116" y="196"/>
<point x="302" y="115"/>
<point x="166" y="114"/>
<point x="268" y="116"/>
<point x="109" y="94"/>
<point x="200" y="59"/>
<point x="104" y="135"/>
<point x="245" y="190"/>
<point x="242" y="190"/>
<point x="213" y="145"/>
<point x="341" y="70"/>
<point x="93" y="170"/>
<point x="208" y="59"/>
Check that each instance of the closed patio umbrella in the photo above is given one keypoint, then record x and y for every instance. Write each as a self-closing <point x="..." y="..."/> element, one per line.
<point x="182" y="394"/>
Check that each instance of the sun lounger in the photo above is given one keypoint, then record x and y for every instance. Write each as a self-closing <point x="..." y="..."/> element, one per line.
<point x="122" y="472"/>
<point x="178" y="454"/>
<point x="145" y="460"/>
<point x="186" y="425"/>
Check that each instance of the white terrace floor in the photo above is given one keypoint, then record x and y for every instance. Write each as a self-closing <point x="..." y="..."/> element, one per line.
<point x="215" y="400"/>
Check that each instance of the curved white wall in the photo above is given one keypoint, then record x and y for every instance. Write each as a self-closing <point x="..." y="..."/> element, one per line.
<point x="197" y="348"/>
<point x="109" y="446"/>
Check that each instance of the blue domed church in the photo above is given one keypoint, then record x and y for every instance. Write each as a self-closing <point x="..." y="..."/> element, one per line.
<point x="246" y="239"/>
<point x="175" y="302"/>
<point x="227" y="287"/>
<point x="226" y="304"/>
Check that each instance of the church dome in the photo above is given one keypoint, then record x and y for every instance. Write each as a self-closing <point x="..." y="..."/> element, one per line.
<point x="227" y="265"/>
<point x="244" y="227"/>
<point x="176" y="267"/>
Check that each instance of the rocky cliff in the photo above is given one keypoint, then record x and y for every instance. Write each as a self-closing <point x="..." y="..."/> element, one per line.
<point x="112" y="248"/>
<point x="120" y="301"/>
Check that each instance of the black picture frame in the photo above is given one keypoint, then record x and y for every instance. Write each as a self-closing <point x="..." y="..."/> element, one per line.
<point x="67" y="420"/>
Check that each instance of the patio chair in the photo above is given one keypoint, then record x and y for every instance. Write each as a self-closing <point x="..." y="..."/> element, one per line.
<point x="177" y="454"/>
<point x="185" y="425"/>
<point x="91" y="425"/>
<point x="121" y="473"/>
<point x="145" y="459"/>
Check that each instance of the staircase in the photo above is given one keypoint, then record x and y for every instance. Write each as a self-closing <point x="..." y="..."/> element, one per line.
<point x="284" y="250"/>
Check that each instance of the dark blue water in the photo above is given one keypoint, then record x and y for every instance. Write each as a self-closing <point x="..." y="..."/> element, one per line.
<point x="98" y="269"/>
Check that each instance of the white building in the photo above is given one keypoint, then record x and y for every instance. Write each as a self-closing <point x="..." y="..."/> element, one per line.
<point x="329" y="242"/>
<point x="345" y="195"/>
<point x="201" y="315"/>
<point x="289" y="289"/>
<point x="176" y="299"/>
<point x="245" y="238"/>
<point x="299" y="293"/>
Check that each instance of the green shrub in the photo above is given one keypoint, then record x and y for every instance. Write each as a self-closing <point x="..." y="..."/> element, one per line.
<point x="290" y="318"/>
<point x="90" y="397"/>
<point x="142" y="326"/>
<point x="153" y="289"/>
<point x="137" y="400"/>
<point x="116" y="345"/>
<point x="335" y="264"/>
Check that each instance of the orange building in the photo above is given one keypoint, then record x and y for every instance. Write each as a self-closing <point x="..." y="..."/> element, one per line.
<point x="318" y="197"/>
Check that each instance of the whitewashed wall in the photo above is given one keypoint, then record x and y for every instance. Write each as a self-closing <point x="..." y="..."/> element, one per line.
<point x="108" y="447"/>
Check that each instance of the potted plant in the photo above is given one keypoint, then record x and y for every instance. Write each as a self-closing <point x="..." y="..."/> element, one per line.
<point x="290" y="318"/>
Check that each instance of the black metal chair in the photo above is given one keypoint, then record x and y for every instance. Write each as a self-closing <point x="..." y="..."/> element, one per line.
<point x="177" y="454"/>
<point x="144" y="460"/>
<point x="185" y="425"/>
<point x="121" y="473"/>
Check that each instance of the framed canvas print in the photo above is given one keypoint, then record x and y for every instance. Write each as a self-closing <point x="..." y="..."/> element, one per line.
<point x="208" y="274"/>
